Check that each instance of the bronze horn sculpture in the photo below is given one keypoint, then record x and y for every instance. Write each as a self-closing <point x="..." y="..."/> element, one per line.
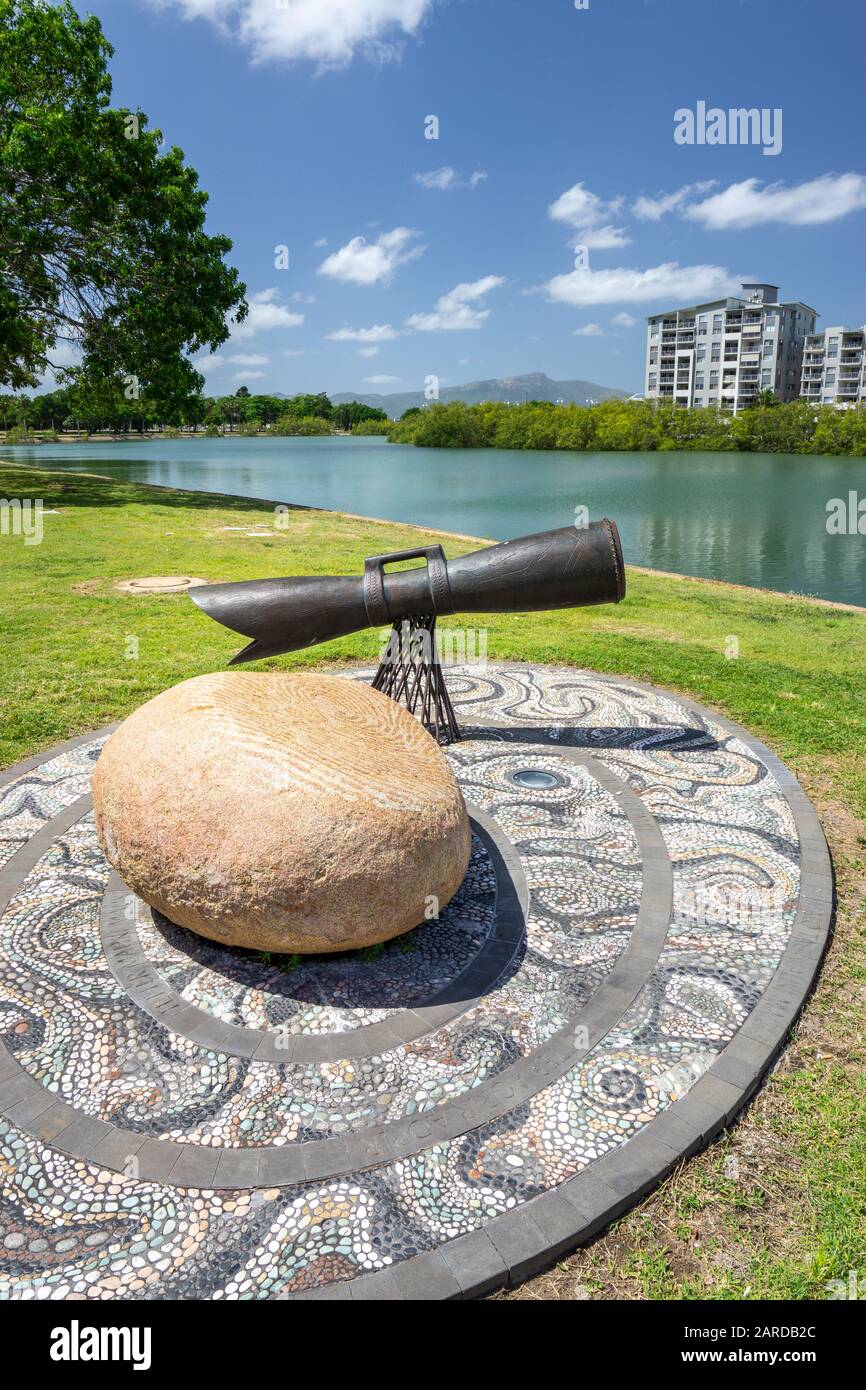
<point x="573" y="567"/>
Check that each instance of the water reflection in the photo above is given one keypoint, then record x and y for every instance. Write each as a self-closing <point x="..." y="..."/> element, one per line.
<point x="747" y="518"/>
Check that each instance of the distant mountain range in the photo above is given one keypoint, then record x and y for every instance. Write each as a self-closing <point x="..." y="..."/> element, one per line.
<point x="534" y="386"/>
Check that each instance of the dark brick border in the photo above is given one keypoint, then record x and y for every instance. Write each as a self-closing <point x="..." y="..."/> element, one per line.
<point x="512" y="1247"/>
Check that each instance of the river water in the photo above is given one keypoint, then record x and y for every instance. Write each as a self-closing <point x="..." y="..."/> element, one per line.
<point x="758" y="519"/>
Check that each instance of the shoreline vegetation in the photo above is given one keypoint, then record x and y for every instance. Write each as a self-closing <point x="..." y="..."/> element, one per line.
<point x="69" y="415"/>
<point x="793" y="1216"/>
<point x="635" y="426"/>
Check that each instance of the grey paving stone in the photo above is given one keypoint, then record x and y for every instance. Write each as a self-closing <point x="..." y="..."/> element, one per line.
<point x="558" y="1220"/>
<point x="33" y="1104"/>
<point x="522" y="1247"/>
<point x="705" y="1116"/>
<point x="52" y="1122"/>
<point x="543" y="1229"/>
<point x="769" y="1027"/>
<point x="678" y="1132"/>
<point x="638" y="1167"/>
<point x="282" y="1167"/>
<point x="376" y="1287"/>
<point x="325" y="1157"/>
<point x="476" y="1264"/>
<point x="17" y="1087"/>
<point x="196" y="1168"/>
<point x="9" y="1067"/>
<point x="718" y="1094"/>
<point x="237" y="1168"/>
<point x="156" y="1158"/>
<point x="115" y="1149"/>
<point x="426" y="1278"/>
<point x="82" y="1136"/>
<point x="370" y="1149"/>
<point x="740" y="1070"/>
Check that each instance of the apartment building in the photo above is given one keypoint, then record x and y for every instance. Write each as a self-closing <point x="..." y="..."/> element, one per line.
<point x="726" y="352"/>
<point x="834" y="367"/>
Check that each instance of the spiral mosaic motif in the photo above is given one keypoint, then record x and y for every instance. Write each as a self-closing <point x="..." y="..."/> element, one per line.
<point x="617" y="929"/>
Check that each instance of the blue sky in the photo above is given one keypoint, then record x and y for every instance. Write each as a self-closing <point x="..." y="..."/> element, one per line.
<point x="306" y="122"/>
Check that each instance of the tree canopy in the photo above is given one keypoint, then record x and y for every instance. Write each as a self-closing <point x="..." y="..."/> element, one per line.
<point x="94" y="406"/>
<point x="102" y="240"/>
<point x="798" y="427"/>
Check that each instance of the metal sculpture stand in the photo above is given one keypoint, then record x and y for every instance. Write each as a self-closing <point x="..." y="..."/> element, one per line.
<point x="411" y="673"/>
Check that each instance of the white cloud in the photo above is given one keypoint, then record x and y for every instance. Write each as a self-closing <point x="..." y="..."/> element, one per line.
<point x="678" y="283"/>
<point x="589" y="330"/>
<point x="379" y="333"/>
<point x="446" y="178"/>
<point x="248" y="376"/>
<point x="654" y="209"/>
<point x="441" y="179"/>
<point x="265" y="313"/>
<point x="590" y="216"/>
<point x="323" y="241"/>
<point x="748" y="204"/>
<point x="382" y="380"/>
<point x="607" y="238"/>
<point x="300" y="298"/>
<point x="295" y="352"/>
<point x="368" y="352"/>
<point x="459" y="308"/>
<point x="624" y="320"/>
<point x="363" y="262"/>
<point x="326" y="32"/>
<point x="217" y="360"/>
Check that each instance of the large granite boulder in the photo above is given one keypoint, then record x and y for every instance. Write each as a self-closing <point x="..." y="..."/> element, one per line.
<point x="290" y="813"/>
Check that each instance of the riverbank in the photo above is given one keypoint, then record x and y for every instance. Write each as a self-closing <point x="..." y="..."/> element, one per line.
<point x="776" y="1207"/>
<point x="767" y="426"/>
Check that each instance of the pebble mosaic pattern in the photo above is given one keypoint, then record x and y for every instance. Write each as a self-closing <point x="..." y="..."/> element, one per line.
<point x="29" y="801"/>
<point x="69" y="1228"/>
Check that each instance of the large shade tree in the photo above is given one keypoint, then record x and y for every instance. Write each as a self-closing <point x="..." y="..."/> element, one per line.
<point x="102" y="240"/>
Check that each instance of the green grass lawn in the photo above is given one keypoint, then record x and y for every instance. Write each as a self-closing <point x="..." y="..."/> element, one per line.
<point x="794" y="1217"/>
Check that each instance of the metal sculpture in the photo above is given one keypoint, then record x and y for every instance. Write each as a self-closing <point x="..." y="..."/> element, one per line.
<point x="574" y="567"/>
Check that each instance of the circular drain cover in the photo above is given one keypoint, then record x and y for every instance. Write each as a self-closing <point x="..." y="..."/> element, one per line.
<point x="159" y="584"/>
<point x="536" y="778"/>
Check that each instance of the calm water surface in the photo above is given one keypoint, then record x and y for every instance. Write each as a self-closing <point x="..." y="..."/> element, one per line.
<point x="756" y="519"/>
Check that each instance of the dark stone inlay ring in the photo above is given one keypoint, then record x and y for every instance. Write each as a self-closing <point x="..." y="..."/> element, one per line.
<point x="511" y="1247"/>
<point x="147" y="988"/>
<point x="160" y="1160"/>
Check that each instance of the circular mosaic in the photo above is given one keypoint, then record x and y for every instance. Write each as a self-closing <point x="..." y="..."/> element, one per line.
<point x="646" y="905"/>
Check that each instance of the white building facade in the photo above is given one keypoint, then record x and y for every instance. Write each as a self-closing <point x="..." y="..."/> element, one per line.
<point x="728" y="351"/>
<point x="834" y="367"/>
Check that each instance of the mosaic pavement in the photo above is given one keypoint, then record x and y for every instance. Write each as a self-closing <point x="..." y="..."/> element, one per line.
<point x="634" y="936"/>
